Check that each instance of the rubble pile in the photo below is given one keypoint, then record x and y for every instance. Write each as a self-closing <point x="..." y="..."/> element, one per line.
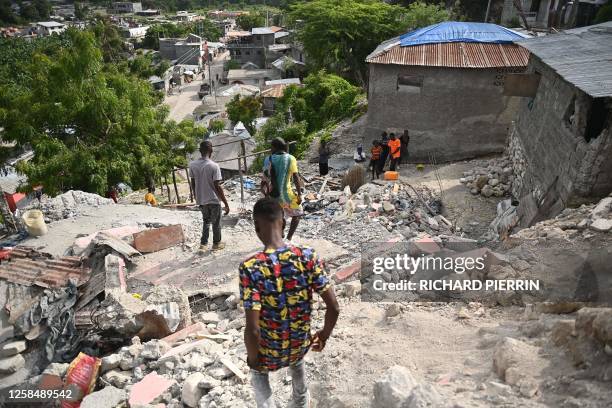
<point x="493" y="178"/>
<point x="71" y="204"/>
<point x="377" y="210"/>
<point x="573" y="223"/>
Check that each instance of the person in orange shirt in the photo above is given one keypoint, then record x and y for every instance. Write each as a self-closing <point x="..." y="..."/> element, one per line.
<point x="150" y="198"/>
<point x="376" y="152"/>
<point x="395" y="151"/>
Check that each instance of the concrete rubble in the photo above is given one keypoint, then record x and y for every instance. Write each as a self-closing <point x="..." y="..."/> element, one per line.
<point x="161" y="345"/>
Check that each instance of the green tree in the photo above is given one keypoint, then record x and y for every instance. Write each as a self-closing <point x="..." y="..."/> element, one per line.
<point x="339" y="34"/>
<point x="204" y="28"/>
<point x="109" y="40"/>
<point x="248" y="21"/>
<point x="7" y="15"/>
<point x="80" y="11"/>
<point x="420" y="14"/>
<point x="244" y="109"/>
<point x="89" y="124"/>
<point x="323" y="100"/>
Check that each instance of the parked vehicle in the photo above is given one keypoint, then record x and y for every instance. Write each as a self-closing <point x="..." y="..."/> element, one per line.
<point x="204" y="90"/>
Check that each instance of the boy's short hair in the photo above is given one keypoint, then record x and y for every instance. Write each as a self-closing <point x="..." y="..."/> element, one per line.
<point x="279" y="144"/>
<point x="268" y="209"/>
<point x="205" y="147"/>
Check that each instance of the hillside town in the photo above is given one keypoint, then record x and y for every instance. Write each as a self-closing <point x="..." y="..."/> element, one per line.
<point x="179" y="177"/>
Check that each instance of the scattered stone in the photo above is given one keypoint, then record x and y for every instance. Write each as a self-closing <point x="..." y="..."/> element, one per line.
<point x="109" y="362"/>
<point x="208" y="317"/>
<point x="118" y="378"/>
<point x="393" y="309"/>
<point x="352" y="288"/>
<point x="107" y="397"/>
<point x="12" y="348"/>
<point x="423" y="396"/>
<point x="602" y="209"/>
<point x="388" y="207"/>
<point x="208" y="383"/>
<point x="192" y="393"/>
<point x="562" y="331"/>
<point x="393" y="388"/>
<point x="58" y="369"/>
<point x="601" y="225"/>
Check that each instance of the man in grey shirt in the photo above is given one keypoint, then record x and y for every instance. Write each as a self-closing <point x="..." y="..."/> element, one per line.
<point x="206" y="182"/>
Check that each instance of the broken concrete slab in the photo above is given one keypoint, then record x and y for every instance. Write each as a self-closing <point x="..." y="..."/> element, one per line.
<point x="12" y="348"/>
<point x="601" y="225"/>
<point x="112" y="243"/>
<point x="148" y="389"/>
<point x="107" y="397"/>
<point x="81" y="243"/>
<point x="208" y="345"/>
<point x="184" y="333"/>
<point x="191" y="392"/>
<point x="156" y="239"/>
<point x="233" y="368"/>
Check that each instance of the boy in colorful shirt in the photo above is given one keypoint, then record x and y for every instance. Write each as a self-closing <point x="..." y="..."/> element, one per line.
<point x="276" y="288"/>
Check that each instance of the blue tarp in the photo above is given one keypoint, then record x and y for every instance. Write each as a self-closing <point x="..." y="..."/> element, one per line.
<point x="453" y="31"/>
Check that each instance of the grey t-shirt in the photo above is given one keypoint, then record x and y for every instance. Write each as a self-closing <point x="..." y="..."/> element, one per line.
<point x="205" y="172"/>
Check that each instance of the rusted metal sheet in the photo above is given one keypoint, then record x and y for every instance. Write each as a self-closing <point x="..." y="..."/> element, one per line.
<point x="275" y="91"/>
<point x="156" y="239"/>
<point x="455" y="55"/>
<point x="29" y="267"/>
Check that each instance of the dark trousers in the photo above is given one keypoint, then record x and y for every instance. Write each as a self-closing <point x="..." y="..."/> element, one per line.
<point x="323" y="169"/>
<point x="394" y="163"/>
<point x="211" y="214"/>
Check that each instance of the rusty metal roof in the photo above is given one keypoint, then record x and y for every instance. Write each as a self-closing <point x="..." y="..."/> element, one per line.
<point x="452" y="55"/>
<point x="275" y="91"/>
<point x="29" y="267"/>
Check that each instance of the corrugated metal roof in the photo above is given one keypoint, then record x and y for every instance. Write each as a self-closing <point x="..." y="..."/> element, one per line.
<point x="275" y="91"/>
<point x="452" y="55"/>
<point x="583" y="57"/>
<point x="29" y="267"/>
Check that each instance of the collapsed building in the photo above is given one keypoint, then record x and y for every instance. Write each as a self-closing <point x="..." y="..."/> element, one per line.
<point x="561" y="144"/>
<point x="444" y="84"/>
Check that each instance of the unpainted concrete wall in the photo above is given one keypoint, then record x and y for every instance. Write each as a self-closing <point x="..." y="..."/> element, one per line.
<point x="456" y="113"/>
<point x="549" y="148"/>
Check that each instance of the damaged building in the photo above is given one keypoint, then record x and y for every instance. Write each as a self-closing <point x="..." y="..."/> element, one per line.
<point x="561" y="144"/>
<point x="444" y="83"/>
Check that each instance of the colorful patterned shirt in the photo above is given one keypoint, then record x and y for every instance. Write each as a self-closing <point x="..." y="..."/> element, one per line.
<point x="280" y="284"/>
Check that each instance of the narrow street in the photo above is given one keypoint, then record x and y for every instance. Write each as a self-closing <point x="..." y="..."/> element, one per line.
<point x="182" y="104"/>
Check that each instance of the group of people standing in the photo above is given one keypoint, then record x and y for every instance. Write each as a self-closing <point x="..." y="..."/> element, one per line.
<point x="389" y="149"/>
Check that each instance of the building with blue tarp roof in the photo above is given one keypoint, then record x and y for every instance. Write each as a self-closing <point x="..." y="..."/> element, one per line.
<point x="444" y="84"/>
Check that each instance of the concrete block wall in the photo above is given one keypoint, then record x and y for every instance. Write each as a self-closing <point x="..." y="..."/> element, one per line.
<point x="456" y="113"/>
<point x="548" y="144"/>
